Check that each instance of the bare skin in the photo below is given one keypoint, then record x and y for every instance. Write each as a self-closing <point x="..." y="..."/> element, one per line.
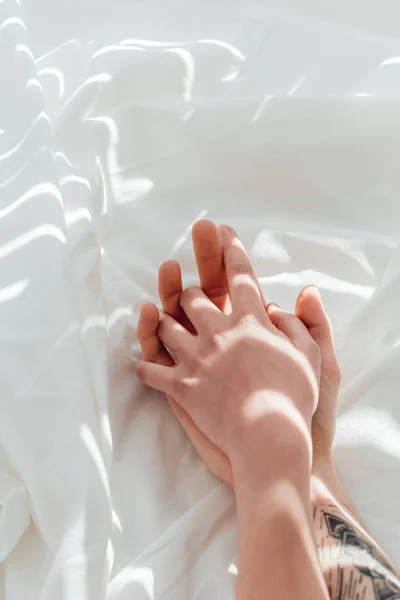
<point x="259" y="417"/>
<point x="309" y="309"/>
<point x="347" y="577"/>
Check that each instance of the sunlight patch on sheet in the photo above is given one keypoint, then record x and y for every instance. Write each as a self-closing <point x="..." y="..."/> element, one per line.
<point x="114" y="140"/>
<point x="61" y="155"/>
<point x="30" y="236"/>
<point x="232" y="49"/>
<point x="14" y="290"/>
<point x="105" y="429"/>
<point x="99" y="78"/>
<point x="233" y="569"/>
<point x="12" y="21"/>
<point x="158" y="44"/>
<point x="260" y="109"/>
<point x="296" y="86"/>
<point x="188" y="114"/>
<point x="324" y="281"/>
<point x="35" y="191"/>
<point x="75" y="179"/>
<point x="116" y="521"/>
<point x="139" y="575"/>
<point x="364" y="419"/>
<point x="24" y="49"/>
<point x="54" y="50"/>
<point x="93" y="449"/>
<point x="117" y="314"/>
<point x="73" y="545"/>
<point x="103" y="184"/>
<point x="93" y="321"/>
<point x="267" y="246"/>
<point x="148" y="43"/>
<point x="116" y="48"/>
<point x="188" y="61"/>
<point x="33" y="82"/>
<point x="231" y="74"/>
<point x="42" y="116"/>
<point x="395" y="60"/>
<point x="58" y="75"/>
<point x="75" y="216"/>
<point x="130" y="190"/>
<point x="16" y="174"/>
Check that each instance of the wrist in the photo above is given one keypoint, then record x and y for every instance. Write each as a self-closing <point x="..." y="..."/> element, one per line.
<point x="276" y="520"/>
<point x="326" y="488"/>
<point x="264" y="462"/>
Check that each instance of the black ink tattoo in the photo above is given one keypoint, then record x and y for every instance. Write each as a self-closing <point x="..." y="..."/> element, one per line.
<point x="354" y="567"/>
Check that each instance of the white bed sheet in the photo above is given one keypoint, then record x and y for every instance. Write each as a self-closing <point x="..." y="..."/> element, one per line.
<point x="120" y="125"/>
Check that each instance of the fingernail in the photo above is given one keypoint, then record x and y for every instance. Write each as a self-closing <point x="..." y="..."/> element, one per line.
<point x="274" y="305"/>
<point x="224" y="231"/>
<point x="316" y="288"/>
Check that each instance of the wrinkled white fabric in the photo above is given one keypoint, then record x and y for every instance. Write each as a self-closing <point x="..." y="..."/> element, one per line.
<point x="120" y="125"/>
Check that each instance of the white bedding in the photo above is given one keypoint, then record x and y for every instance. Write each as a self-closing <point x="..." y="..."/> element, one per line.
<point x="120" y="125"/>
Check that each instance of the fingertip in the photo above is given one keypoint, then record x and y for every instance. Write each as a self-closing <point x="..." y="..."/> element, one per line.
<point x="139" y="368"/>
<point x="149" y="311"/>
<point x="202" y="224"/>
<point x="205" y="238"/>
<point x="226" y="232"/>
<point x="147" y="325"/>
<point x="309" y="300"/>
<point x="272" y="306"/>
<point x="270" y="312"/>
<point x="170" y="285"/>
<point x="277" y="314"/>
<point x="312" y="290"/>
<point x="311" y="310"/>
<point x="168" y="267"/>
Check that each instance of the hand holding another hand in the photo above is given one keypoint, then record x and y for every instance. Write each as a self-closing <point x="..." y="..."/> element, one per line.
<point x="235" y="371"/>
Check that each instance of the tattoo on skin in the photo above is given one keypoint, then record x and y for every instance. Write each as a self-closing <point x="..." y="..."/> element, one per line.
<point x="353" y="566"/>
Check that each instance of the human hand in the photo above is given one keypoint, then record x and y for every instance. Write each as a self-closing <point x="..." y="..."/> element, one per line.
<point x="212" y="275"/>
<point x="220" y="378"/>
<point x="326" y="489"/>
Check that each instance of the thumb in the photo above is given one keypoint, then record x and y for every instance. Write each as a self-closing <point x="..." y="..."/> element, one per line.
<point x="310" y="310"/>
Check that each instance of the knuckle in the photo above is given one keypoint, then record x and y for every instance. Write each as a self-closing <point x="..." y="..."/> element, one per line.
<point x="247" y="318"/>
<point x="241" y="268"/>
<point x="217" y="342"/>
<point x="189" y="293"/>
<point x="159" y="357"/>
<point x="216" y="291"/>
<point x="180" y="388"/>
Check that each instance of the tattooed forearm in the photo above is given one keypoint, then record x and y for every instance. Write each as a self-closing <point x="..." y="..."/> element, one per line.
<point x="353" y="565"/>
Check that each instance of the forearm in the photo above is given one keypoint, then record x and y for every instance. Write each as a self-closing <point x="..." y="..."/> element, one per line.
<point x="277" y="556"/>
<point x="354" y="566"/>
